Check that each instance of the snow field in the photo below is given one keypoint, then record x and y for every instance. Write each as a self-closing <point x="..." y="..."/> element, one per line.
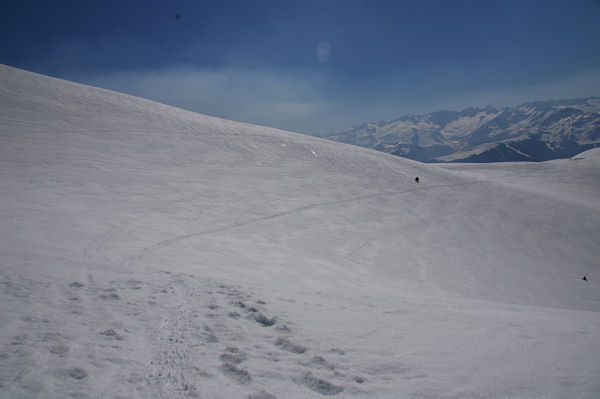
<point x="147" y="251"/>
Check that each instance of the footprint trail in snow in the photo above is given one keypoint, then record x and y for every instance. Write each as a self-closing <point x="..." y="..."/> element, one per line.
<point x="167" y="336"/>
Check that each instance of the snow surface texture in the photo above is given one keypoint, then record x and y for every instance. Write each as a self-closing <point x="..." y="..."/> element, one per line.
<point x="151" y="252"/>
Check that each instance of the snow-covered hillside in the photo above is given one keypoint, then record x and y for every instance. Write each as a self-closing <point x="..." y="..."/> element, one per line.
<point x="151" y="252"/>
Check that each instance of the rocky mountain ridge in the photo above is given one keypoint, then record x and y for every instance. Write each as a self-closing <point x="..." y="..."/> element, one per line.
<point x="536" y="131"/>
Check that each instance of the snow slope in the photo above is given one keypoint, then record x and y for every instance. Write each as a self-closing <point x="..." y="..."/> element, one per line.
<point x="147" y="251"/>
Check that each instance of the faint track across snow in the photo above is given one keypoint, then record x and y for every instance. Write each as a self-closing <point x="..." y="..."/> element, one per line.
<point x="170" y="241"/>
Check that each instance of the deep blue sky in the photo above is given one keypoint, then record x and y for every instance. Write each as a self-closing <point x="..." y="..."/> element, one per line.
<point x="313" y="66"/>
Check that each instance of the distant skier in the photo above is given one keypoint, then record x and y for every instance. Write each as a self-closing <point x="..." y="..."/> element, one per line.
<point x="417" y="179"/>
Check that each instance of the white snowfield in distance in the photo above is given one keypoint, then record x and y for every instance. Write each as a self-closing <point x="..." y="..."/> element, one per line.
<point x="151" y="252"/>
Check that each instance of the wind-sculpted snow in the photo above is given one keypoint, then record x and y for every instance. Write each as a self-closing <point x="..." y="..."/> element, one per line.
<point x="150" y="252"/>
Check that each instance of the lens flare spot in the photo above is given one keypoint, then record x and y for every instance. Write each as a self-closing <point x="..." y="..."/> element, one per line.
<point x="323" y="51"/>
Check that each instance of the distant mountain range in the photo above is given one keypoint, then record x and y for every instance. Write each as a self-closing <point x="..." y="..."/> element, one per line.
<point x="536" y="131"/>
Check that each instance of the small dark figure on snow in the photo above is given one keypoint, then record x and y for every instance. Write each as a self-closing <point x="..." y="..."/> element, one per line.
<point x="417" y="179"/>
<point x="584" y="278"/>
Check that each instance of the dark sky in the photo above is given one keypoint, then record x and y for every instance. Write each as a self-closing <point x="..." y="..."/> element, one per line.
<point x="313" y="66"/>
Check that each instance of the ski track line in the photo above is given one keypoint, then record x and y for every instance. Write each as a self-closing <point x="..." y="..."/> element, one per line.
<point x="104" y="237"/>
<point x="170" y="241"/>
